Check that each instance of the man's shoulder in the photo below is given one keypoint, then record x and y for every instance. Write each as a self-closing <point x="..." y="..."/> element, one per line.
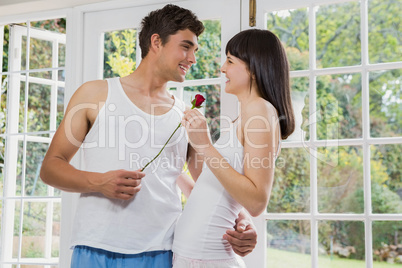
<point x="92" y="91"/>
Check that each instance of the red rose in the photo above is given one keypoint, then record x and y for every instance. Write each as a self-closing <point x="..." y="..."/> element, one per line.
<point x="198" y="101"/>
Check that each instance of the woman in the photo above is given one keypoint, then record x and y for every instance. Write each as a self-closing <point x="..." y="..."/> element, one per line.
<point x="238" y="170"/>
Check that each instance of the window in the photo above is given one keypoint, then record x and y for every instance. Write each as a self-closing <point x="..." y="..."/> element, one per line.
<point x="32" y="106"/>
<point x="338" y="191"/>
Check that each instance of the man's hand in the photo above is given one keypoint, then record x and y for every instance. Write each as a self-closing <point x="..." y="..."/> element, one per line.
<point x="244" y="238"/>
<point x="120" y="184"/>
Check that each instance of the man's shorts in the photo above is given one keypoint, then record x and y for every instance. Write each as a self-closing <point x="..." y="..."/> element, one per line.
<point x="88" y="257"/>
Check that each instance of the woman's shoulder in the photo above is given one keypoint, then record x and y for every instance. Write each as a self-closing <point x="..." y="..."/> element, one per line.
<point x="261" y="108"/>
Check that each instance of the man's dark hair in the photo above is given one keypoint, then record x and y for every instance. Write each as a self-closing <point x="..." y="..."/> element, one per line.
<point x="165" y="22"/>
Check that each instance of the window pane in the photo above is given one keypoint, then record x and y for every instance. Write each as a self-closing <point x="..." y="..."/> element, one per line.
<point x="3" y="103"/>
<point x="2" y="147"/>
<point x="60" y="105"/>
<point x="339" y="106"/>
<point x="40" y="54"/>
<point x="300" y="103"/>
<point x="338" y="35"/>
<point x="21" y="128"/>
<point x="385" y="103"/>
<point x="291" y="189"/>
<point x="62" y="55"/>
<point x="343" y="244"/>
<point x="4" y="47"/>
<point x="288" y="244"/>
<point x="119" y="53"/>
<point x="56" y="229"/>
<point x="291" y="26"/>
<point x="20" y="166"/>
<point x="17" y="217"/>
<point x="55" y="25"/>
<point x="385" y="23"/>
<point x="33" y="184"/>
<point x="23" y="52"/>
<point x="34" y="229"/>
<point x="209" y="52"/>
<point x="387" y="242"/>
<point x="39" y="107"/>
<point x="61" y="76"/>
<point x="211" y="107"/>
<point x="386" y="179"/>
<point x="340" y="179"/>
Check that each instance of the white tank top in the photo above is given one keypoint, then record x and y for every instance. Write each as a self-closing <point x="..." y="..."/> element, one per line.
<point x="210" y="210"/>
<point x="125" y="137"/>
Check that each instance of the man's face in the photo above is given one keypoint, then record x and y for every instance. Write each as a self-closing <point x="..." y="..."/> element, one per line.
<point x="177" y="55"/>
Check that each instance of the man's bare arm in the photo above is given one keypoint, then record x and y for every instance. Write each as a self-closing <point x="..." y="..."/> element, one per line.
<point x="56" y="169"/>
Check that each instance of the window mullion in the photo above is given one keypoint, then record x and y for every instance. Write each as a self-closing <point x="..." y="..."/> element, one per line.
<point x="313" y="136"/>
<point x="11" y="150"/>
<point x="53" y="94"/>
<point x="366" y="134"/>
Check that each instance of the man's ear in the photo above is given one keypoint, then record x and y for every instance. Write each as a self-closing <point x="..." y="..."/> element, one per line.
<point x="156" y="42"/>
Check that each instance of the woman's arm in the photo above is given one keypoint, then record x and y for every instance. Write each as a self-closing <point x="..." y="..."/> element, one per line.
<point x="261" y="135"/>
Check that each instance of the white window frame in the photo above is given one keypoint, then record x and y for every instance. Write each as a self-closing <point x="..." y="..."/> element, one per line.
<point x="16" y="75"/>
<point x="267" y="6"/>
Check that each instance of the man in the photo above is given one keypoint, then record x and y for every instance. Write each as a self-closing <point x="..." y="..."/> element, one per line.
<point x="125" y="217"/>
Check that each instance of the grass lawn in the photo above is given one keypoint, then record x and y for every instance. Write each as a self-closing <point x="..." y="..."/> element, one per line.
<point x="285" y="259"/>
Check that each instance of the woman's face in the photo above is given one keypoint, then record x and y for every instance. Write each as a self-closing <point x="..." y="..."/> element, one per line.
<point x="237" y="75"/>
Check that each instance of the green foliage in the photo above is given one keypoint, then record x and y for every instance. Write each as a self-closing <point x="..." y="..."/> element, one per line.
<point x="120" y="52"/>
<point x="385" y="38"/>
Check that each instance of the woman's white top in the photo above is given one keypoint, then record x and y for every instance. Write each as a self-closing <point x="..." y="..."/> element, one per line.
<point x="210" y="210"/>
<point x="125" y="137"/>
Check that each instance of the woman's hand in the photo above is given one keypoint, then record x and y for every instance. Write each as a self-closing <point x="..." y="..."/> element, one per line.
<point x="197" y="130"/>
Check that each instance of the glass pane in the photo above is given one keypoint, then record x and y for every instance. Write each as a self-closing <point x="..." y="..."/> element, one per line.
<point x="288" y="244"/>
<point x="211" y="107"/>
<point x="62" y="55"/>
<point x="291" y="189"/>
<point x="34" y="229"/>
<point x="340" y="179"/>
<point x="291" y="26"/>
<point x="60" y="105"/>
<point x="385" y="23"/>
<point x="56" y="229"/>
<point x="16" y="235"/>
<point x="338" y="35"/>
<point x="40" y="54"/>
<point x="385" y="103"/>
<point x="3" y="103"/>
<point x="4" y="48"/>
<point x="300" y="100"/>
<point x="55" y="25"/>
<point x="386" y="179"/>
<point x="387" y="244"/>
<point x="119" y="53"/>
<point x="23" y="52"/>
<point x="339" y="107"/>
<point x="2" y="146"/>
<point x="21" y="128"/>
<point x="19" y="166"/>
<point x="209" y="52"/>
<point x="33" y="184"/>
<point x="61" y="76"/>
<point x="39" y="107"/>
<point x="341" y="244"/>
<point x="45" y="75"/>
